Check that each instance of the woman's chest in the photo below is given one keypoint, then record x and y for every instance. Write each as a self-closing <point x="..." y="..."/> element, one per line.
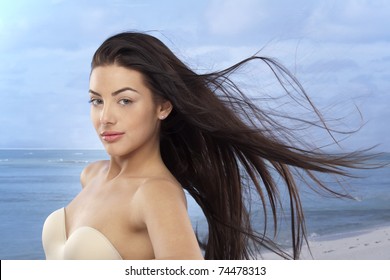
<point x="113" y="216"/>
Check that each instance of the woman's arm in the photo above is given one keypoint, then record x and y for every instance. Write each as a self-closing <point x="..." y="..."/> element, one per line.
<point x="162" y="208"/>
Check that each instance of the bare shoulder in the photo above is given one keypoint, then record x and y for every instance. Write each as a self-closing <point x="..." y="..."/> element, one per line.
<point x="162" y="209"/>
<point x="91" y="170"/>
<point x="161" y="191"/>
<point x="158" y="197"/>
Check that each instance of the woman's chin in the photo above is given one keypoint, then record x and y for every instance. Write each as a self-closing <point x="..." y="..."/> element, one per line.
<point x="115" y="151"/>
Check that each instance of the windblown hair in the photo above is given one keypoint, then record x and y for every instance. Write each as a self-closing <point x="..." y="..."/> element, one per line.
<point x="226" y="151"/>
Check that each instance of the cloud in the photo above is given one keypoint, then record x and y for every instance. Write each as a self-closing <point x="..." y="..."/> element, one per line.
<point x="323" y="20"/>
<point x="350" y="21"/>
<point x="330" y="65"/>
<point x="256" y="21"/>
<point x="225" y="17"/>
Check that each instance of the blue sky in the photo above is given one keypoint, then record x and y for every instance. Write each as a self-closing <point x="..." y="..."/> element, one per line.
<point x="340" y="51"/>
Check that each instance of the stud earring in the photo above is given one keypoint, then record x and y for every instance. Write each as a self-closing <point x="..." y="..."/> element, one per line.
<point x="162" y="117"/>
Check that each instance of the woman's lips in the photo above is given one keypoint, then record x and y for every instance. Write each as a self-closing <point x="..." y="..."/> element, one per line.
<point x="111" y="136"/>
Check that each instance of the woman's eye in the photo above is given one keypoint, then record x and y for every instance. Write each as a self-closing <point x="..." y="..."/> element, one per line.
<point x="125" y="101"/>
<point x="96" y="102"/>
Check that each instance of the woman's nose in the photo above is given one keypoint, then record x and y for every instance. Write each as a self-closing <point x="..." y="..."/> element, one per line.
<point x="107" y="116"/>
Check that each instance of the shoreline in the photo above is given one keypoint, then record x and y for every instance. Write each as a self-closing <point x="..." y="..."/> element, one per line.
<point x="371" y="244"/>
<point x="367" y="244"/>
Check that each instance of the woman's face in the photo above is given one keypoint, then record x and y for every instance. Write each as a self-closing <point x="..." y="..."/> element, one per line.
<point x="123" y="111"/>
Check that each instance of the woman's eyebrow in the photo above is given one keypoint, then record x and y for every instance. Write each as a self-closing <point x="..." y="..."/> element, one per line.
<point x="123" y="89"/>
<point x="115" y="92"/>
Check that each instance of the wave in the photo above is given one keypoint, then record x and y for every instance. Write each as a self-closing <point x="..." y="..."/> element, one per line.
<point x="67" y="161"/>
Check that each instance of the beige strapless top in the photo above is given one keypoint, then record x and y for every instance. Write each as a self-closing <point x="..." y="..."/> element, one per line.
<point x="85" y="243"/>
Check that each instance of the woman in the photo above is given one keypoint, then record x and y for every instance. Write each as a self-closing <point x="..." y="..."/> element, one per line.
<point x="166" y="130"/>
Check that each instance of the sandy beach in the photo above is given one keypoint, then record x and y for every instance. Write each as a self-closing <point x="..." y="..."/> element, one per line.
<point x="365" y="245"/>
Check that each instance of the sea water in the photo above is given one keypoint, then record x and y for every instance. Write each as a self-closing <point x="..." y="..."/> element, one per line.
<point x="34" y="183"/>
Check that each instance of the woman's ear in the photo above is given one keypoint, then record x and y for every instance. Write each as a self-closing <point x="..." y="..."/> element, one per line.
<point x="165" y="109"/>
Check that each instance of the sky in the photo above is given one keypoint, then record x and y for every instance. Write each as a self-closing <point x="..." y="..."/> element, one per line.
<point x="339" y="50"/>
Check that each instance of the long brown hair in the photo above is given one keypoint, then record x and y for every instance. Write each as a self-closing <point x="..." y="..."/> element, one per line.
<point x="226" y="150"/>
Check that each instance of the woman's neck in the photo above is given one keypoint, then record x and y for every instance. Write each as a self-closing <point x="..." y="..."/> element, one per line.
<point x="145" y="164"/>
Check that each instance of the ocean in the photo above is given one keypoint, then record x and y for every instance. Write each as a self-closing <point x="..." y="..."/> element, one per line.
<point x="34" y="183"/>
